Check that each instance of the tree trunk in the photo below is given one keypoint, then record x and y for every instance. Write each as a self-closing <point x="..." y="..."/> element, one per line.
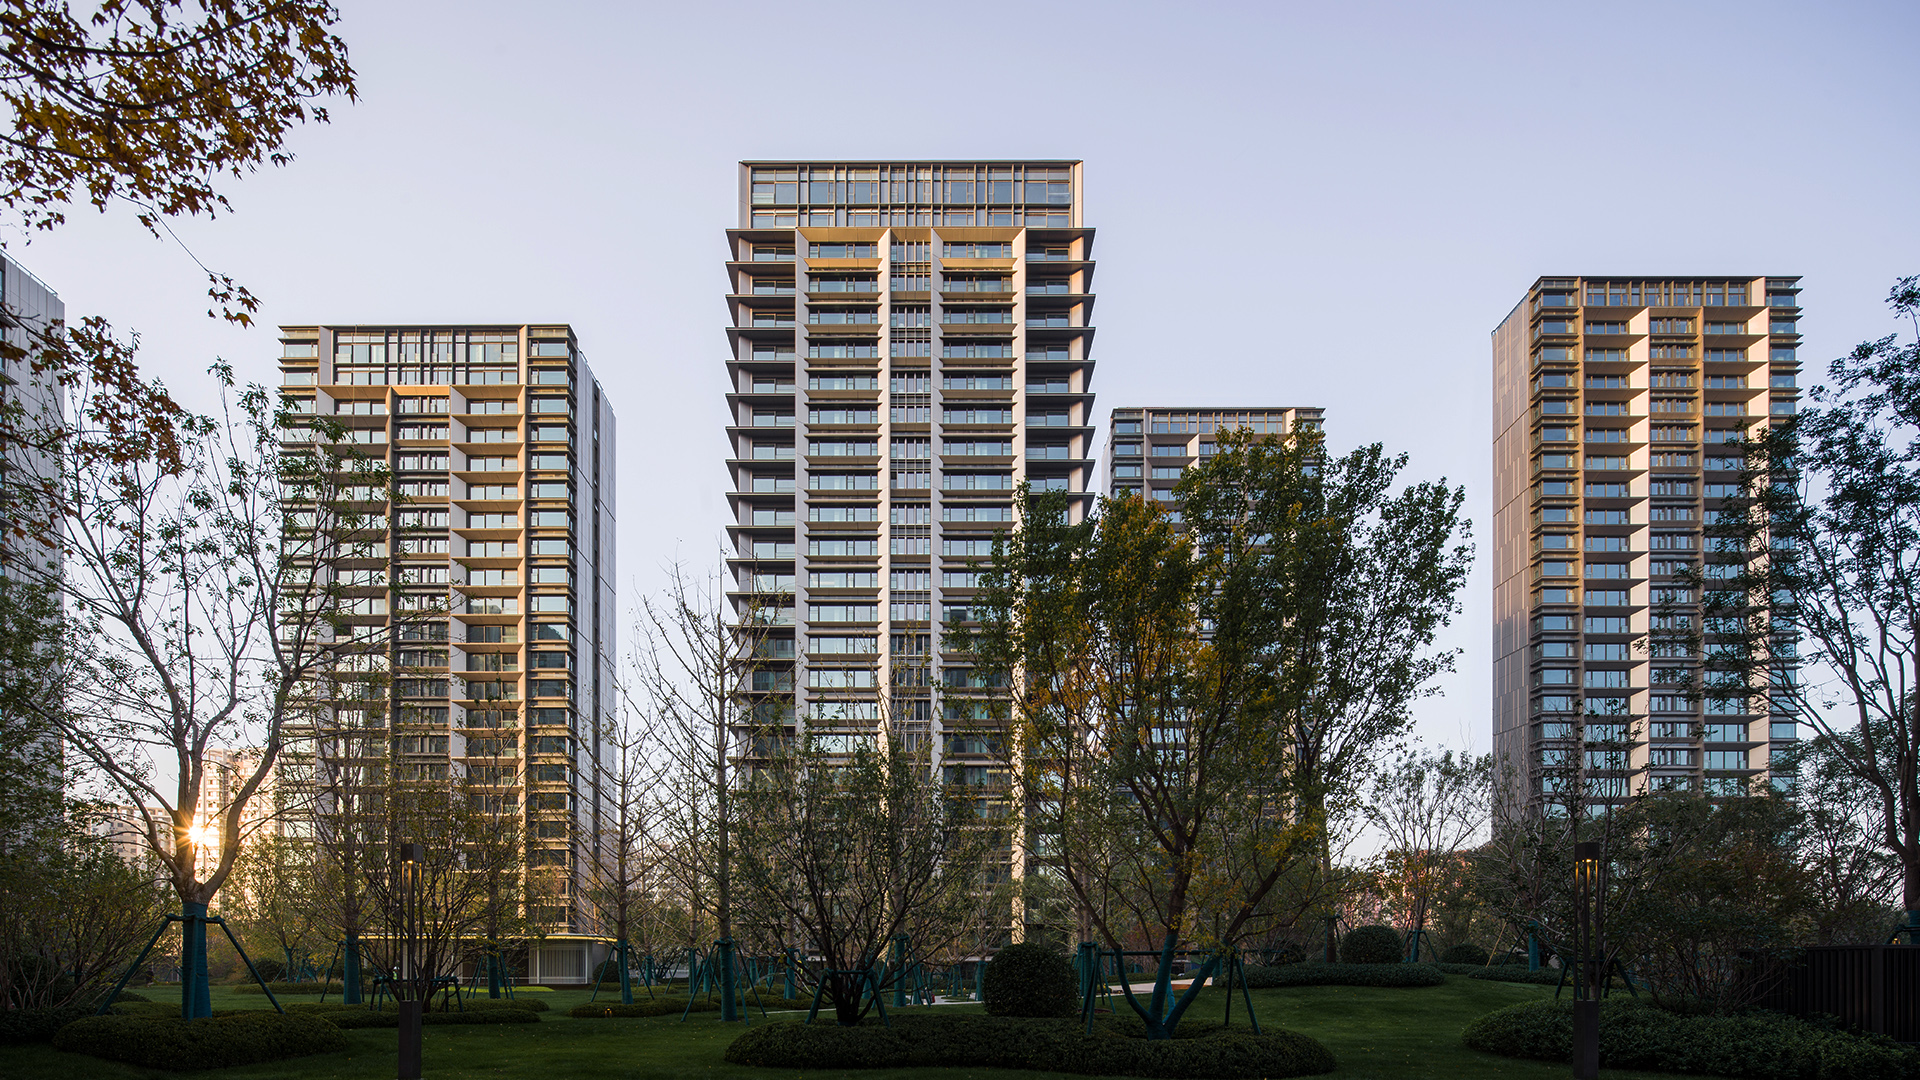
<point x="350" y="970"/>
<point x="194" y="1002"/>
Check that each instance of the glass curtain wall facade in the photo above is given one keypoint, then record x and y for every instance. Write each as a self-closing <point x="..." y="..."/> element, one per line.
<point x="1149" y="448"/>
<point x="1615" y="402"/>
<point x="911" y="341"/>
<point x="489" y="608"/>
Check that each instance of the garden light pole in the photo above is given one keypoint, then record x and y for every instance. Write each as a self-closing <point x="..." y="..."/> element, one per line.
<point x="411" y="860"/>
<point x="1589" y="901"/>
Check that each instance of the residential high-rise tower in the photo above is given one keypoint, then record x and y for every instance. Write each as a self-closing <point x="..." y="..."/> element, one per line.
<point x="491" y="601"/>
<point x="911" y="341"/>
<point x="1149" y="448"/>
<point x="1615" y="403"/>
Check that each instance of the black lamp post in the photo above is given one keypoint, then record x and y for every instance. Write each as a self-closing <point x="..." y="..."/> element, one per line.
<point x="1589" y="899"/>
<point x="412" y="860"/>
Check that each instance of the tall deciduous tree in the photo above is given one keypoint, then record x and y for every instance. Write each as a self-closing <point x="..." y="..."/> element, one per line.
<point x="1199" y="697"/>
<point x="1815" y="568"/>
<point x="201" y="600"/>
<point x="695" y="671"/>
<point x="147" y="103"/>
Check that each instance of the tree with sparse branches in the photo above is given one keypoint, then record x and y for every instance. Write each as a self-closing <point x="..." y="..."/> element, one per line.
<point x="199" y="604"/>
<point x="1427" y="808"/>
<point x="856" y="848"/>
<point x="695" y="671"/>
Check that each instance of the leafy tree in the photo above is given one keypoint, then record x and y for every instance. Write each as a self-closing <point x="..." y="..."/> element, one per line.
<point x="267" y="898"/>
<point x="1852" y="878"/>
<point x="1726" y="887"/>
<point x="72" y="916"/>
<point x="1427" y="807"/>
<point x="854" y="849"/>
<point x="1190" y="703"/>
<point x="1816" y="567"/>
<point x="147" y="103"/>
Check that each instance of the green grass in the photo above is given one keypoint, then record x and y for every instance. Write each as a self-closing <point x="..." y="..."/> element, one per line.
<point x="1376" y="1034"/>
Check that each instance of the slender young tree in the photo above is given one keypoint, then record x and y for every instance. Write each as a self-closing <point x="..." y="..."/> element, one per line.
<point x="856" y="850"/>
<point x="1427" y="807"/>
<point x="696" y="671"/>
<point x="200" y="605"/>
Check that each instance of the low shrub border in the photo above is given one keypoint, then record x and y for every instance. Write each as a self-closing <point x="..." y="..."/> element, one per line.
<point x="1318" y="974"/>
<point x="242" y="1038"/>
<point x="283" y="989"/>
<point x="1636" y="1035"/>
<point x="935" y="1039"/>
<point x="358" y="1016"/>
<point x="1509" y="973"/>
<point x="605" y="1009"/>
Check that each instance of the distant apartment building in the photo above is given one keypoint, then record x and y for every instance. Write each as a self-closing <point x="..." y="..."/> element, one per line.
<point x="1615" y="401"/>
<point x="911" y="340"/>
<point x="488" y="602"/>
<point x="1148" y="449"/>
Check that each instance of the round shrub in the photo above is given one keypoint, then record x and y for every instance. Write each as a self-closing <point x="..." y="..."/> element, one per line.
<point x="926" y="1040"/>
<point x="270" y="969"/>
<point x="1635" y="1035"/>
<point x="1466" y="952"/>
<point x="176" y="1045"/>
<point x="1030" y="980"/>
<point x="1372" y="945"/>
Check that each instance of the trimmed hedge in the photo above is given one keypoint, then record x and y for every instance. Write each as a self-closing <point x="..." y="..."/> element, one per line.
<point x="1633" y="1035"/>
<point x="1030" y="979"/>
<point x="1466" y="952"/>
<point x="357" y="1016"/>
<point x="1317" y="974"/>
<point x="923" y="1040"/>
<point x="284" y="989"/>
<point x="1546" y="976"/>
<point x="18" y="1026"/>
<point x="242" y="1038"/>
<point x="672" y="1006"/>
<point x="1374" y="944"/>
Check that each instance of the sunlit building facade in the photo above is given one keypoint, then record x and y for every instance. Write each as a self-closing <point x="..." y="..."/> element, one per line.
<point x="1616" y="401"/>
<point x="1149" y="449"/>
<point x="910" y="342"/>
<point x="489" y="603"/>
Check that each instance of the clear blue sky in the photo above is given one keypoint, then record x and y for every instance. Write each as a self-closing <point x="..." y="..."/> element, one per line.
<point x="1297" y="204"/>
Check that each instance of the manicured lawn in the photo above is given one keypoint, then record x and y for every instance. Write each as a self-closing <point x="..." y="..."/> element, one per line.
<point x="1376" y="1034"/>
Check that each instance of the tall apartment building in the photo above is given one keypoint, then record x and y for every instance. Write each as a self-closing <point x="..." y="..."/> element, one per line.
<point x="29" y="311"/>
<point x="1149" y="448"/>
<point x="910" y="342"/>
<point x="491" y="600"/>
<point x="1614" y="401"/>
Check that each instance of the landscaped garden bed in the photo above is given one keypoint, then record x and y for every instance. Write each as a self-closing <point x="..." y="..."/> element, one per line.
<point x="1636" y="1035"/>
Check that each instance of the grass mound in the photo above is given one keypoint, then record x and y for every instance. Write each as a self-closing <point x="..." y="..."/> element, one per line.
<point x="1318" y="974"/>
<point x="1633" y="1035"/>
<point x="241" y="1038"/>
<point x="924" y="1040"/>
